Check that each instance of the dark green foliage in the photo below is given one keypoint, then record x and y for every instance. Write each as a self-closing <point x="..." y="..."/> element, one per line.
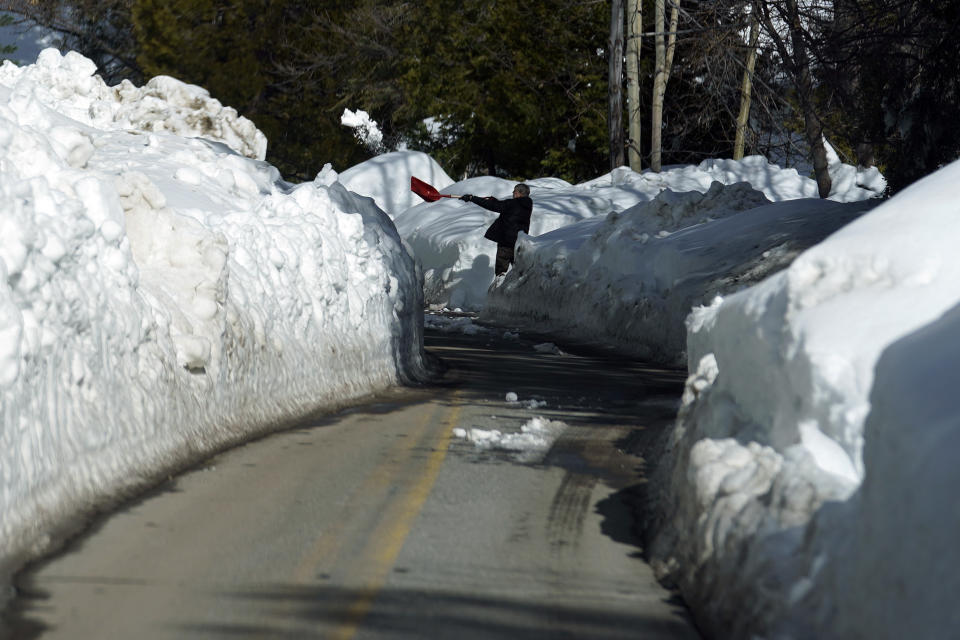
<point x="271" y="61"/>
<point x="908" y="90"/>
<point x="327" y="57"/>
<point x="517" y="89"/>
<point x="212" y="43"/>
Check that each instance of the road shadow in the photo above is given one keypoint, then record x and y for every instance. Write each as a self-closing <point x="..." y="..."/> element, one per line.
<point x="487" y="367"/>
<point x="323" y="611"/>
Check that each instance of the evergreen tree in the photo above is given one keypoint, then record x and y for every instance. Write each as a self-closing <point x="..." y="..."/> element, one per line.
<point x="217" y="44"/>
<point x="331" y="56"/>
<point x="515" y="89"/>
<point x="892" y="83"/>
<point x="250" y="55"/>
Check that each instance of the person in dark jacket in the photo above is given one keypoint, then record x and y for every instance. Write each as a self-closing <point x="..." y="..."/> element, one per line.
<point x="514" y="217"/>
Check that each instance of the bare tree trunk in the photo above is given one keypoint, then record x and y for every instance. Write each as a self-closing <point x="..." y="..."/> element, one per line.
<point x="671" y="40"/>
<point x="814" y="131"/>
<point x="659" y="84"/>
<point x="866" y="157"/>
<point x="615" y="84"/>
<point x="798" y="64"/>
<point x="746" y="87"/>
<point x="634" y="29"/>
<point x="812" y="124"/>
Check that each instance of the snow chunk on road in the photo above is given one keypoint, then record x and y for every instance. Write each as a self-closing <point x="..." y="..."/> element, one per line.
<point x="548" y="347"/>
<point x="534" y="439"/>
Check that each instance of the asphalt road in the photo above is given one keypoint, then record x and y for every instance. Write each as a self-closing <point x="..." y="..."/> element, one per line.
<point x="379" y="522"/>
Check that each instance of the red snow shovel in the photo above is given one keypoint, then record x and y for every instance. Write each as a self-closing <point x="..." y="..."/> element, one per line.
<point x="425" y="191"/>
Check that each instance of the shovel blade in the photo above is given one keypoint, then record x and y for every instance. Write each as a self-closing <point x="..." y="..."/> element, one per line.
<point x="424" y="190"/>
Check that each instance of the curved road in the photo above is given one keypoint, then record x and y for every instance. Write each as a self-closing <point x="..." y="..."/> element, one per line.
<point x="379" y="522"/>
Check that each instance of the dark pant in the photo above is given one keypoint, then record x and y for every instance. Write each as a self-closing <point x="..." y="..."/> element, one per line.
<point x="504" y="259"/>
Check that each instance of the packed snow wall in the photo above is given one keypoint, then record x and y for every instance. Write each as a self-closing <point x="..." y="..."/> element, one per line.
<point x="164" y="293"/>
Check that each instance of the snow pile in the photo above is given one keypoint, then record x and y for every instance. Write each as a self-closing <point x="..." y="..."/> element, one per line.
<point x="533" y="403"/>
<point x="447" y="236"/>
<point x="67" y="86"/>
<point x="848" y="183"/>
<point x="630" y="280"/>
<point x="386" y="179"/>
<point x="835" y="370"/>
<point x="162" y="296"/>
<point x="463" y="325"/>
<point x="905" y="508"/>
<point x="533" y="440"/>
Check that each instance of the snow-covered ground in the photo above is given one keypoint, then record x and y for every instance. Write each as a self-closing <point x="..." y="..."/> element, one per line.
<point x="163" y="293"/>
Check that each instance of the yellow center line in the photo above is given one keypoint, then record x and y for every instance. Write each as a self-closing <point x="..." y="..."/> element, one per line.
<point x="383" y="476"/>
<point x="391" y="534"/>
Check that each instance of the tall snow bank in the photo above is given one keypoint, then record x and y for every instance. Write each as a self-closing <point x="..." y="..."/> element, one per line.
<point x="766" y="527"/>
<point x="629" y="280"/>
<point x="447" y="236"/>
<point x="162" y="296"/>
<point x="903" y="582"/>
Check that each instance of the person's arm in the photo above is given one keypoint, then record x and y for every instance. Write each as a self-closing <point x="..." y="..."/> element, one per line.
<point x="490" y="203"/>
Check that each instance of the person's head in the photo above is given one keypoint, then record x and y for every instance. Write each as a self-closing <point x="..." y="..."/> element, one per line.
<point x="521" y="191"/>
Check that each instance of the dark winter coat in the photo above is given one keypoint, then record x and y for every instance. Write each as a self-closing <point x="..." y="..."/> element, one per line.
<point x="514" y="218"/>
